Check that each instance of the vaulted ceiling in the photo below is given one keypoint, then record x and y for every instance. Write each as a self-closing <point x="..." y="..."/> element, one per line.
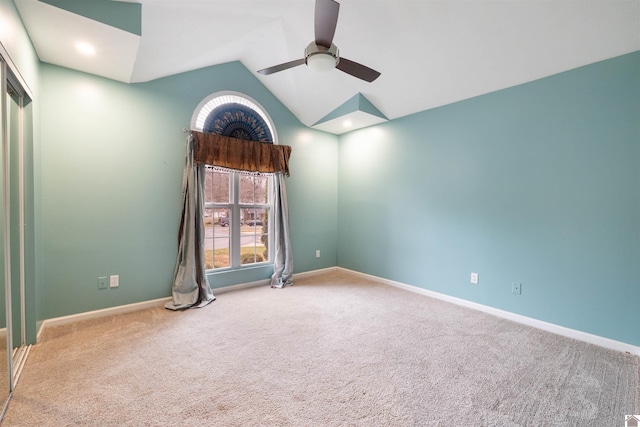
<point x="430" y="52"/>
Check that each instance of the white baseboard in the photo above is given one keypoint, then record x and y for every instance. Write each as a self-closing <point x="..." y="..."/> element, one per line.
<point x="121" y="309"/>
<point x="314" y="272"/>
<point x="304" y="274"/>
<point x="549" y="327"/>
<point x="230" y="288"/>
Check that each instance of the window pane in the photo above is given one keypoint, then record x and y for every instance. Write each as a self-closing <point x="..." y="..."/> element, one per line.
<point x="222" y="218"/>
<point x="217" y="238"/>
<point x="226" y="190"/>
<point x="246" y="189"/>
<point x="264" y="241"/>
<point x="208" y="185"/>
<point x="253" y="239"/>
<point x="261" y="189"/>
<point x="221" y="254"/>
<point x="253" y="189"/>
<point x="208" y="238"/>
<point x="216" y="186"/>
<point x="253" y="217"/>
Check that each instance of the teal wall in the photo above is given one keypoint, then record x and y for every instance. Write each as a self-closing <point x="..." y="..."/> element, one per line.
<point x="112" y="165"/>
<point x="538" y="184"/>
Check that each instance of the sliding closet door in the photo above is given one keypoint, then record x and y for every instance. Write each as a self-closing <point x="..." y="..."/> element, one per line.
<point x="13" y="98"/>
<point x="5" y="355"/>
<point x="16" y="239"/>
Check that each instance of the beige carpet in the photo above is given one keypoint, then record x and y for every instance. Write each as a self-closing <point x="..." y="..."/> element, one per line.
<point x="332" y="350"/>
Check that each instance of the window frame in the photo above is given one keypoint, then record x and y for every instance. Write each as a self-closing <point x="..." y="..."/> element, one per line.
<point x="235" y="224"/>
<point x="198" y="118"/>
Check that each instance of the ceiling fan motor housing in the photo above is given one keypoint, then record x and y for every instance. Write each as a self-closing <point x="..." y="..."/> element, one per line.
<point x="328" y="56"/>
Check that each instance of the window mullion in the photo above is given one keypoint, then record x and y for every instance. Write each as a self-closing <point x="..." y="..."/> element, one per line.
<point x="236" y="226"/>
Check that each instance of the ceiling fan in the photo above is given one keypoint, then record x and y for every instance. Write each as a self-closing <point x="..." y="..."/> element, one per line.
<point x="322" y="53"/>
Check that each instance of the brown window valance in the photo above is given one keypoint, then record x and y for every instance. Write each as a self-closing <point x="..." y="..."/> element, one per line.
<point x="240" y="154"/>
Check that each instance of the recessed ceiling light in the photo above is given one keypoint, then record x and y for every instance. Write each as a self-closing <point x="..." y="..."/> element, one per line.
<point x="85" y="48"/>
<point x="347" y="123"/>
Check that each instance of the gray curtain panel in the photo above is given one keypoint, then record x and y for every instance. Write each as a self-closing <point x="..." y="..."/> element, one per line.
<point x="190" y="285"/>
<point x="283" y="258"/>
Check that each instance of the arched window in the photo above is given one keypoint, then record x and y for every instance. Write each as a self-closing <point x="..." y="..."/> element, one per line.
<point x="233" y="114"/>
<point x="237" y="216"/>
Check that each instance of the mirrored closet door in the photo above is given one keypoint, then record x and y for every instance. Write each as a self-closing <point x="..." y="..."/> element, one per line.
<point x="12" y="247"/>
<point x="5" y="362"/>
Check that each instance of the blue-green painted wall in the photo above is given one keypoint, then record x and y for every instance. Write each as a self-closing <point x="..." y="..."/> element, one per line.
<point x="538" y="184"/>
<point x="123" y="15"/>
<point x="112" y="165"/>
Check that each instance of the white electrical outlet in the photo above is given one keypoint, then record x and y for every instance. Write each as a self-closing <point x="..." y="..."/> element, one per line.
<point x="318" y="253"/>
<point x="114" y="281"/>
<point x="474" y="278"/>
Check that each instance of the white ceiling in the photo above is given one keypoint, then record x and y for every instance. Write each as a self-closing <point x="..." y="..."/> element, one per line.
<point x="430" y="53"/>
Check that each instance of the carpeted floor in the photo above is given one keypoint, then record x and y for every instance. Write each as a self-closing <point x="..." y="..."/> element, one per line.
<point x="332" y="350"/>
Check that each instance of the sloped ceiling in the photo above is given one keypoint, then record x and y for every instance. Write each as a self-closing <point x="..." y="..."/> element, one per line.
<point x="430" y="53"/>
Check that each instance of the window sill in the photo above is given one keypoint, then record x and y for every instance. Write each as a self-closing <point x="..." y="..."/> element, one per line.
<point x="237" y="276"/>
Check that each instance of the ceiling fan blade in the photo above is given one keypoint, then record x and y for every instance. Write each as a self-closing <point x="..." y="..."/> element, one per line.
<point x="281" y="67"/>
<point x="357" y="70"/>
<point x="326" y="19"/>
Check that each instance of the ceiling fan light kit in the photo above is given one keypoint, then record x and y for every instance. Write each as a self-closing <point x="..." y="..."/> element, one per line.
<point x="320" y="58"/>
<point x="321" y="54"/>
